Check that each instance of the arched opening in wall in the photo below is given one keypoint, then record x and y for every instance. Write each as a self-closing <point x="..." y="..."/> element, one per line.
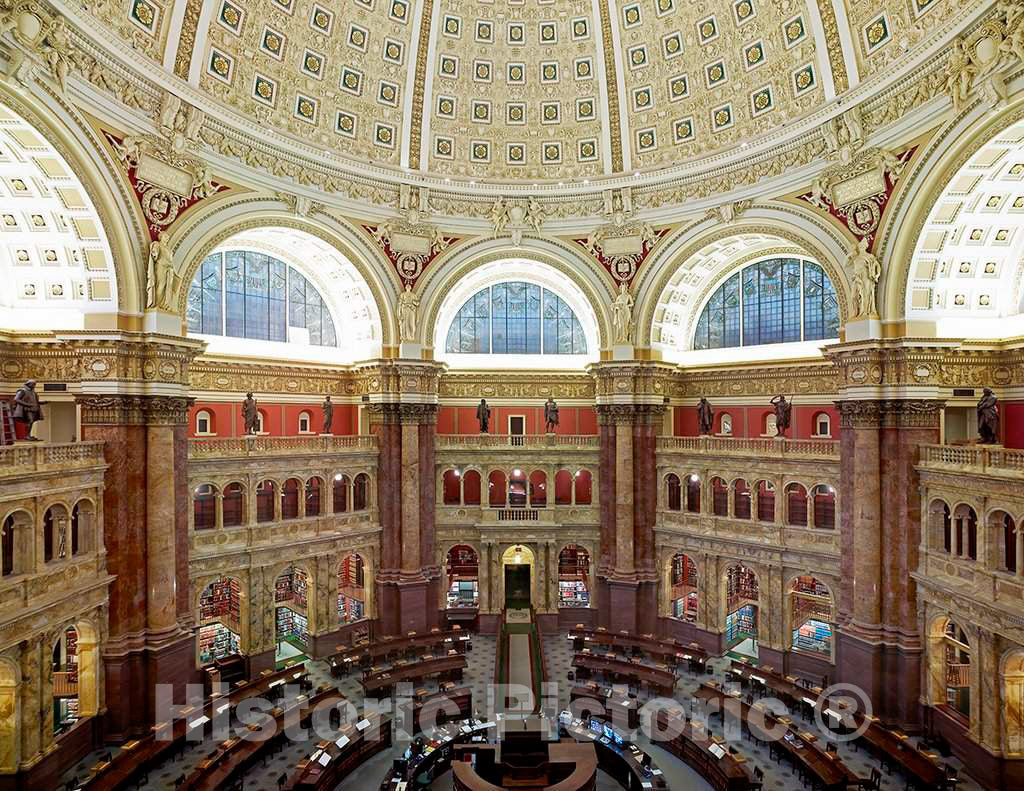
<point x="290" y="498"/>
<point x="65" y="681"/>
<point x="796" y="505"/>
<point x="261" y="421"/>
<point x="821" y="426"/>
<point x="518" y="564"/>
<point x="361" y="492"/>
<point x="8" y="553"/>
<point x="563" y="487"/>
<point x="18" y="543"/>
<point x="56" y="541"/>
<point x="719" y="497"/>
<point x="1013" y="701"/>
<point x="234" y="505"/>
<point x="220" y="620"/>
<point x="265" y="496"/>
<point x="497" y="489"/>
<point x="83" y="531"/>
<point x="573" y="576"/>
<point x="940" y="526"/>
<point x="471" y="487"/>
<point x="812" y="617"/>
<point x="693" y="493"/>
<point x="463" y="569"/>
<point x="305" y="423"/>
<point x="583" y="488"/>
<point x="351" y="589"/>
<point x="314" y="486"/>
<point x="683" y="594"/>
<point x="765" y="501"/>
<point x="204" y="506"/>
<point x="824" y="507"/>
<point x="673" y="492"/>
<point x="965" y="532"/>
<point x="55" y="260"/>
<point x="742" y="597"/>
<point x="451" y="487"/>
<point x="725" y="424"/>
<point x="956" y="653"/>
<point x="741" y="499"/>
<point x="538" y="489"/>
<point x="283" y="293"/>
<point x="517" y="488"/>
<point x="204" y="424"/>
<point x="1003" y="530"/>
<point x="291" y="614"/>
<point x="10" y="725"/>
<point x="342" y="483"/>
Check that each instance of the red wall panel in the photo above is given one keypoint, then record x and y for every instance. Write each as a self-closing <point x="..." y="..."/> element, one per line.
<point x="462" y="419"/>
<point x="1012" y="423"/>
<point x="279" y="420"/>
<point x="748" y="421"/>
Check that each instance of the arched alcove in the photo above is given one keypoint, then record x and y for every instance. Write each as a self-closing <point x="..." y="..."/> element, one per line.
<point x="353" y="580"/>
<point x="220" y="620"/>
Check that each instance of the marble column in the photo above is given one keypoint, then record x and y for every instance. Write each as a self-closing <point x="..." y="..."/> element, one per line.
<point x="31" y="702"/>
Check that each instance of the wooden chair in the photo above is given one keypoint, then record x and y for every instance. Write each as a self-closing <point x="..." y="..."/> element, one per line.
<point x="874" y="783"/>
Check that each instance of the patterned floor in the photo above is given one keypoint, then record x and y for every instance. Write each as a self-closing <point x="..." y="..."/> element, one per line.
<point x="559" y="654"/>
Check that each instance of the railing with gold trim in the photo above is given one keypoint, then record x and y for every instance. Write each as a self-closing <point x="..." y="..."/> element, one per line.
<point x="25" y="457"/>
<point x="974" y="457"/>
<point x="764" y="447"/>
<point x="256" y="445"/>
<point x="516" y="441"/>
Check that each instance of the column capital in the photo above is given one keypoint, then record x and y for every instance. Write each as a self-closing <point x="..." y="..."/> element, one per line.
<point x="402" y="413"/>
<point x="399" y="381"/>
<point x="890" y="413"/>
<point x="629" y="414"/>
<point x="633" y="381"/>
<point x="98" y="410"/>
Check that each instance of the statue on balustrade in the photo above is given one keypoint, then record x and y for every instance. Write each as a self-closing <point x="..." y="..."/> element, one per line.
<point x="705" y="416"/>
<point x="328" y="409"/>
<point x="250" y="414"/>
<point x="550" y="415"/>
<point x="483" y="414"/>
<point x="783" y="412"/>
<point x="28" y="407"/>
<point x="988" y="418"/>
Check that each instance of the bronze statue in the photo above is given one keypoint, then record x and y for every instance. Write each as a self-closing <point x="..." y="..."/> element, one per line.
<point x="550" y="415"/>
<point x="705" y="416"/>
<point x="250" y="414"/>
<point x="28" y="407"/>
<point x="483" y="414"/>
<point x="988" y="418"/>
<point x="783" y="412"/>
<point x="328" y="409"/>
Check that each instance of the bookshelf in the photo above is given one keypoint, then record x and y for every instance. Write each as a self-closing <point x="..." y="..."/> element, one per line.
<point x="351" y="587"/>
<point x="740" y="625"/>
<point x="221" y="601"/>
<point x="812" y="616"/>
<point x="350" y="609"/>
<point x="573" y="593"/>
<point x="685" y="607"/>
<point x="814" y="636"/>
<point x="741" y="587"/>
<point x="464" y="593"/>
<point x="292" y="587"/>
<point x="573" y="577"/>
<point x="292" y="624"/>
<point x="217" y="641"/>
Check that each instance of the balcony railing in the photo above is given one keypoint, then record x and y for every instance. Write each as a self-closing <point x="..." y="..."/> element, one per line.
<point x="44" y="457"/>
<point x="763" y="447"/>
<point x="974" y="457"/>
<point x="517" y="441"/>
<point x="255" y="445"/>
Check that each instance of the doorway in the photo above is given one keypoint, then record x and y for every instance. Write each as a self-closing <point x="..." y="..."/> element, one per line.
<point x="516" y="428"/>
<point x="517" y="586"/>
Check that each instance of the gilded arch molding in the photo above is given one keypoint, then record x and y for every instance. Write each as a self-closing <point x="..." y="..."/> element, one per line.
<point x="252" y="212"/>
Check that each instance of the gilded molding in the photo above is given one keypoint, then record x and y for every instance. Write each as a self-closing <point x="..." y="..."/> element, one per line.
<point x="512" y="385"/>
<point x="206" y="375"/>
<point x="904" y="413"/>
<point x="187" y="38"/>
<point x="133" y="410"/>
<point x="834" y="46"/>
<point x="422" y="55"/>
<point x="769" y="380"/>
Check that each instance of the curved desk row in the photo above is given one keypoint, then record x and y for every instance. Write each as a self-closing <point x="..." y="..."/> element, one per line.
<point x="437" y="757"/>
<point x="348" y="657"/>
<point x="138" y="756"/>
<point x="661" y="678"/>
<point x="574" y="764"/>
<point x="331" y="762"/>
<point x="446" y="667"/>
<point x="669" y="650"/>
<point x="711" y="760"/>
<point x="624" y="762"/>
<point x="612" y="704"/>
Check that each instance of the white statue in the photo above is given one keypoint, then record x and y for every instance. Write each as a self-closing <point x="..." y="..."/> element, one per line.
<point x="204" y="185"/>
<point x="55" y="50"/>
<point x="382" y="234"/>
<point x="499" y="217"/>
<point x="866" y="272"/>
<point x="593" y="242"/>
<point x="818" y="194"/>
<point x="1012" y="11"/>
<point x="535" y="215"/>
<point x="169" y="107"/>
<point x="408" y="306"/>
<point x="960" y="73"/>
<point x="160" y="278"/>
<point x="830" y="131"/>
<point x="623" y="314"/>
<point x="854" y="125"/>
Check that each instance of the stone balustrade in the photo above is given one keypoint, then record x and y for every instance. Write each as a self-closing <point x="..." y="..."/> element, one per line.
<point x="260" y="446"/>
<point x="761" y="447"/>
<point x="476" y="441"/>
<point x="974" y="458"/>
<point x="23" y="458"/>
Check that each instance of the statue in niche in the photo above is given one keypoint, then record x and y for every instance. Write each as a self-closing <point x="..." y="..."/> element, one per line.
<point x="328" y="409"/>
<point x="28" y="407"/>
<point x="161" y="279"/>
<point x="705" y="416"/>
<point x="866" y="272"/>
<point x="483" y="414"/>
<point x="250" y="414"/>
<point x="988" y="418"/>
<point x="408" y="304"/>
<point x="550" y="415"/>
<point x="783" y="413"/>
<point x="623" y="314"/>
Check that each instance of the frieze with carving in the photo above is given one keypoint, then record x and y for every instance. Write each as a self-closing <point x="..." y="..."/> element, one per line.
<point x="499" y="386"/>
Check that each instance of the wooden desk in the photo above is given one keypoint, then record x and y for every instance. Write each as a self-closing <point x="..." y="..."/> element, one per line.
<point x="437" y="761"/>
<point x="661" y="678"/>
<point x="348" y="658"/>
<point x="433" y="707"/>
<point x="137" y="757"/>
<point x="347" y="752"/>
<point x="612" y="703"/>
<point x="444" y="665"/>
<point x="648" y="644"/>
<point x="828" y="768"/>
<point x="696" y="747"/>
<point x="582" y="759"/>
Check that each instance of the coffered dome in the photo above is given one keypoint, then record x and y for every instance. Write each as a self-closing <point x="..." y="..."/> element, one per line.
<point x="538" y="90"/>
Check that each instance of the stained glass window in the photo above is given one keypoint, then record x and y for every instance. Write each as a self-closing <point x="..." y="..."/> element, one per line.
<point x="515" y="318"/>
<point x="780" y="300"/>
<point x="243" y="294"/>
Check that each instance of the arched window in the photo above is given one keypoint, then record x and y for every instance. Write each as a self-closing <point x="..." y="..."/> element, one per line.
<point x="693" y="493"/>
<point x="204" y="423"/>
<point x="7" y="547"/>
<point x="361" y="492"/>
<point x="965" y="523"/>
<point x="583" y="487"/>
<point x="233" y="505"/>
<point x="538" y="489"/>
<point x="673" y="492"/>
<point x="824" y="507"/>
<point x="220" y="617"/>
<point x="290" y="498"/>
<point x="341" y="486"/>
<point x="771" y="425"/>
<point x="471" y="488"/>
<point x="765" y="501"/>
<point x="1003" y="530"/>
<point x="243" y="294"/>
<point x="463" y="569"/>
<point x="812" y="616"/>
<point x="515" y="318"/>
<point x="265" y="501"/>
<point x="204" y="501"/>
<point x="775" y="301"/>
<point x="563" y="487"/>
<point x="741" y="499"/>
<point x="451" y="487"/>
<point x="314" y="486"/>
<point x="719" y="497"/>
<point x="305" y="423"/>
<point x="260" y="421"/>
<point x="796" y="505"/>
<point x="573" y="576"/>
<point x="822" y="425"/>
<point x="497" y="489"/>
<point x="725" y="425"/>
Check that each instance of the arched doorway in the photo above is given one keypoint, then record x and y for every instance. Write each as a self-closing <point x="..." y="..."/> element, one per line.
<point x="291" y="614"/>
<point x="65" y="669"/>
<point x="812" y="617"/>
<point x="462" y="567"/>
<point x="351" y="589"/>
<point x="741" y="610"/>
<point x="220" y="619"/>
<point x="518" y="568"/>
<point x="683" y="595"/>
<point x="574" y="577"/>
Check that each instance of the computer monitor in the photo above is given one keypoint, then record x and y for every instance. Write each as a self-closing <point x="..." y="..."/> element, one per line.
<point x="618" y="738"/>
<point x="646" y="762"/>
<point x="608" y="732"/>
<point x="595" y="726"/>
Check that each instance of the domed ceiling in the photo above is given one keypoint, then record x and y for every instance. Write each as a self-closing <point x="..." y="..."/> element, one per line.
<point x="507" y="90"/>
